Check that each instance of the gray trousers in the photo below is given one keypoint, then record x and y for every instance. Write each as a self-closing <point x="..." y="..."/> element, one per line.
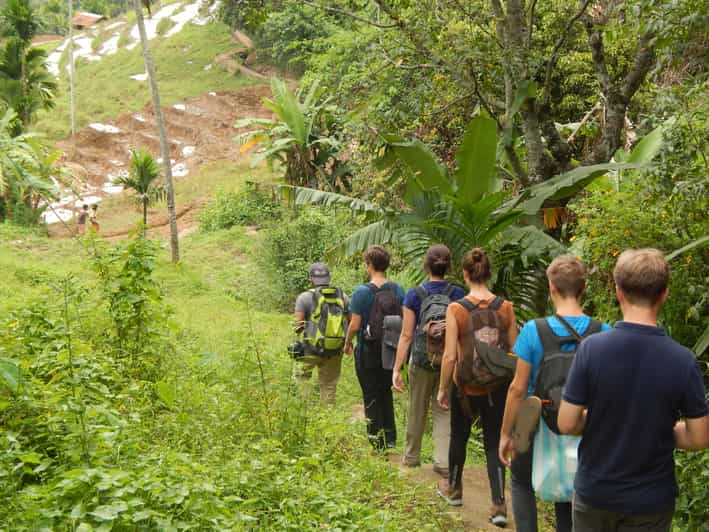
<point x="590" y="519"/>
<point x="423" y="389"/>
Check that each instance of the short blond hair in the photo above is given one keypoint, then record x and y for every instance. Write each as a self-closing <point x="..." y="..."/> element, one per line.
<point x="568" y="275"/>
<point x="642" y="275"/>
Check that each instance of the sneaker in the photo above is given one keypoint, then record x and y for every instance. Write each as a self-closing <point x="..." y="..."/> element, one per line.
<point x="499" y="519"/>
<point x="452" y="496"/>
<point x="443" y="471"/>
<point x="411" y="464"/>
<point x="526" y="423"/>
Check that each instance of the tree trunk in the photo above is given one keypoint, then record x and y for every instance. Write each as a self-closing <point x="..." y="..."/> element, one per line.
<point x="145" y="216"/>
<point x="164" y="147"/>
<point x="72" y="111"/>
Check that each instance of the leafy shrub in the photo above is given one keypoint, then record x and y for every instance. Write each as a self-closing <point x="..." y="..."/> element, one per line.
<point x="250" y="206"/>
<point x="291" y="247"/>
<point x="164" y="25"/>
<point x="609" y="222"/>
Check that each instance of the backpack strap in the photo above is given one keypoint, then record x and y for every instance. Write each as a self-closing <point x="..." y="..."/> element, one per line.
<point x="548" y="338"/>
<point x="373" y="288"/>
<point x="421" y="292"/>
<point x="594" y="327"/>
<point x="450" y="290"/>
<point x="467" y="304"/>
<point x="496" y="303"/>
<point x="568" y="327"/>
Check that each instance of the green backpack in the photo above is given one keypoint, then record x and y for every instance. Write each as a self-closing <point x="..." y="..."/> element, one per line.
<point x="325" y="332"/>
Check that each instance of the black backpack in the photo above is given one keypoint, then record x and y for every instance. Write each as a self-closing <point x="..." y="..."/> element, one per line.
<point x="429" y="337"/>
<point x="555" y="365"/>
<point x="386" y="303"/>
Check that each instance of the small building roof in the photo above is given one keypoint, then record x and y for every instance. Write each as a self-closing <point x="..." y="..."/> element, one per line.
<point x="85" y="19"/>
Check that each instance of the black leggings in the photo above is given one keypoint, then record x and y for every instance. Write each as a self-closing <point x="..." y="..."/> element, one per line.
<point x="378" y="405"/>
<point x="491" y="408"/>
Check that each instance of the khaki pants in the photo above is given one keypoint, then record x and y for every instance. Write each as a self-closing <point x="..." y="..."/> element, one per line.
<point x="423" y="389"/>
<point x="328" y="374"/>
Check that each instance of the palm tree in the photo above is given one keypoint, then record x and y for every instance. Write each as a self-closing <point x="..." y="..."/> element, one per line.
<point x="164" y="146"/>
<point x="26" y="83"/>
<point x="464" y="208"/>
<point x="305" y="138"/>
<point x="143" y="180"/>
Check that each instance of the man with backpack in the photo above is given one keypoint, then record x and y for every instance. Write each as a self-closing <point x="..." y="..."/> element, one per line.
<point x="321" y="315"/>
<point x="545" y="348"/>
<point x="480" y="329"/>
<point x="424" y="326"/>
<point x="371" y="304"/>
<point x="626" y="394"/>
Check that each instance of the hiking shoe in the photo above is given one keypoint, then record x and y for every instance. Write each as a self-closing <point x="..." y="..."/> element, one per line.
<point x="526" y="423"/>
<point x="451" y="495"/>
<point x="411" y="464"/>
<point x="443" y="471"/>
<point x="499" y="519"/>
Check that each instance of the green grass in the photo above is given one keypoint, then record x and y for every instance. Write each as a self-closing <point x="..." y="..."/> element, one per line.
<point x="104" y="88"/>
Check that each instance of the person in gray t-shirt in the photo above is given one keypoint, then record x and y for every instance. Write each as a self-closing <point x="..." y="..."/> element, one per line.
<point x="328" y="366"/>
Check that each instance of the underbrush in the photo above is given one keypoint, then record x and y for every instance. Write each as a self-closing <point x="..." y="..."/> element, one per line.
<point x="251" y="206"/>
<point x="117" y="418"/>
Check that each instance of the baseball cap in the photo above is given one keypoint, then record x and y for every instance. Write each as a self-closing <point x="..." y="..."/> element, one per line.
<point x="320" y="274"/>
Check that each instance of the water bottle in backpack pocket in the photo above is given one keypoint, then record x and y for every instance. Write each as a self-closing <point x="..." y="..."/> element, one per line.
<point x="484" y="360"/>
<point x="324" y="334"/>
<point x="430" y="334"/>
<point x="555" y="365"/>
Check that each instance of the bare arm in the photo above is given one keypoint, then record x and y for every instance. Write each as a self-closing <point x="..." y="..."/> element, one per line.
<point x="402" y="349"/>
<point x="512" y="332"/>
<point x="352" y="330"/>
<point x="299" y="318"/>
<point x="572" y="418"/>
<point x="515" y="395"/>
<point x="692" y="434"/>
<point x="449" y="355"/>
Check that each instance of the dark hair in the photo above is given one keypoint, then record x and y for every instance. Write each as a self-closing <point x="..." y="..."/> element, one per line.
<point x="377" y="257"/>
<point x="94" y="206"/>
<point x="568" y="275"/>
<point x="84" y="206"/>
<point x="437" y="260"/>
<point x="642" y="275"/>
<point x="477" y="265"/>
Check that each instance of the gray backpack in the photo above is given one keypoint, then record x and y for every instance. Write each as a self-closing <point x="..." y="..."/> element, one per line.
<point x="430" y="334"/>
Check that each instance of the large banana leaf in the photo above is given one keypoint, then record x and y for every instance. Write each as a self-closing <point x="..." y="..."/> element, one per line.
<point x="311" y="196"/>
<point x="564" y="185"/>
<point x="288" y="110"/>
<point x="648" y="147"/>
<point x="703" y="343"/>
<point x="428" y="172"/>
<point x="475" y="174"/>
<point x="375" y="233"/>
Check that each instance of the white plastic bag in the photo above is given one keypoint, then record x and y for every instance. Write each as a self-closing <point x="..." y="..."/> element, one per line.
<point x="554" y="464"/>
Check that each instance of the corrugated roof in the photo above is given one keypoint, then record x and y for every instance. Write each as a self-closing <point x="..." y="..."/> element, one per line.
<point x="86" y="19"/>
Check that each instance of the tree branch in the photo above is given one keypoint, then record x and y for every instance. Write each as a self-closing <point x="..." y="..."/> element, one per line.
<point x="559" y="43"/>
<point x="349" y="14"/>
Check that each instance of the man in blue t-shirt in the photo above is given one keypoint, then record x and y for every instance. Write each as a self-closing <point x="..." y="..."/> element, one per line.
<point x="567" y="281"/>
<point x="374" y="380"/>
<point x="627" y="390"/>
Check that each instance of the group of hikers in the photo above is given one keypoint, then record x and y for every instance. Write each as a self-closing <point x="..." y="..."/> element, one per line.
<point x="584" y="415"/>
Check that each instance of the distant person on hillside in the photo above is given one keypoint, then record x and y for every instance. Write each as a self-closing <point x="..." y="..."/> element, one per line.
<point x="627" y="390"/>
<point x="321" y="317"/>
<point x="479" y="318"/>
<point x="82" y="219"/>
<point x="93" y="218"/>
<point x="424" y="326"/>
<point x="538" y="347"/>
<point x="371" y="303"/>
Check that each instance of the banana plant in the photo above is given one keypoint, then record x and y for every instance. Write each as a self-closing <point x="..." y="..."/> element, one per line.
<point x="304" y="137"/>
<point x="463" y="208"/>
